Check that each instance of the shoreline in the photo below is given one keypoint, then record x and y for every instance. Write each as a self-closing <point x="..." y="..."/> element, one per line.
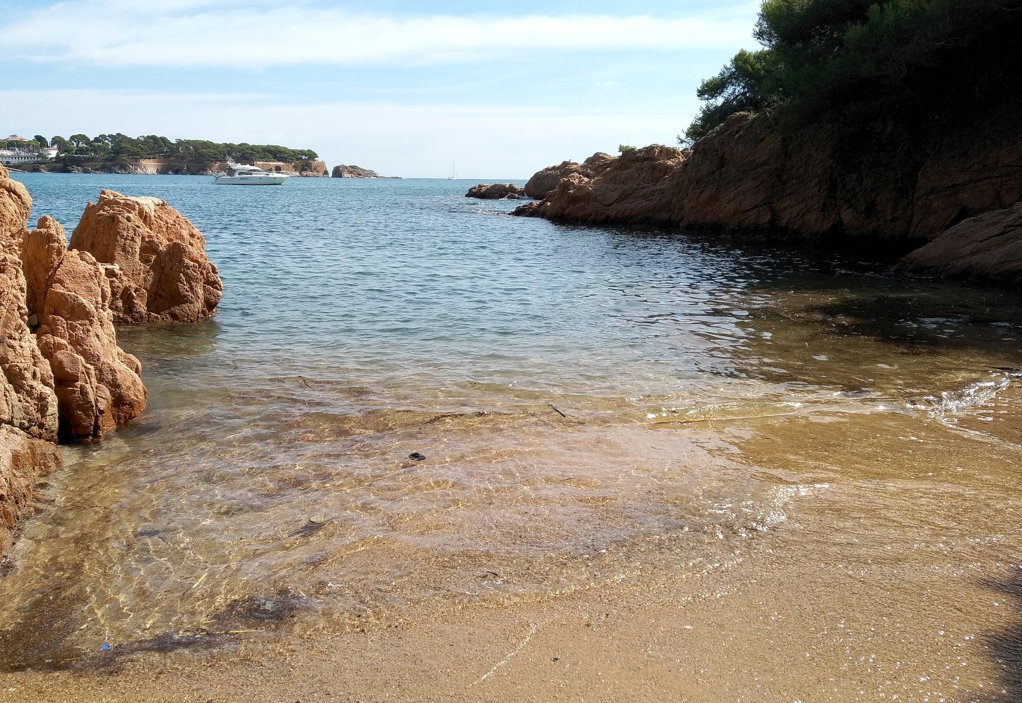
<point x="798" y="611"/>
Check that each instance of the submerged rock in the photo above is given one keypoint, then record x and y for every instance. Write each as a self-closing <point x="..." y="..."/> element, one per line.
<point x="497" y="191"/>
<point x="23" y="460"/>
<point x="156" y="259"/>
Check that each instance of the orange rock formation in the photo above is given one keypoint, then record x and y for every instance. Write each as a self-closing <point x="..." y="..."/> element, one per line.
<point x="156" y="259"/>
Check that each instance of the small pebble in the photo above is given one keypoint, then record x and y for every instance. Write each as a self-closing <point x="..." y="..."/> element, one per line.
<point x="416" y="456"/>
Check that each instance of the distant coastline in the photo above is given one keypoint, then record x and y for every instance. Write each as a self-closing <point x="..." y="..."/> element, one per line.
<point x="172" y="167"/>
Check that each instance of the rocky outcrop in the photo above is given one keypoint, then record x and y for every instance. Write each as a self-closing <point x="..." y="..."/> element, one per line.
<point x="28" y="404"/>
<point x="63" y="374"/>
<point x="886" y="181"/>
<point x="345" y="171"/>
<point x="15" y="206"/>
<point x="98" y="385"/>
<point x="155" y="259"/>
<point x="27" y="399"/>
<point x="547" y="179"/>
<point x="631" y="188"/>
<point x="987" y="247"/>
<point x="497" y="191"/>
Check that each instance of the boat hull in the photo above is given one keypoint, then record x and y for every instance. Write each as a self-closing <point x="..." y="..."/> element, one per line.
<point x="250" y="180"/>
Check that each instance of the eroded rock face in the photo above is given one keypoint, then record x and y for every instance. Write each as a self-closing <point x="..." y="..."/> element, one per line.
<point x="632" y="187"/>
<point x="900" y="183"/>
<point x="28" y="404"/>
<point x="15" y="206"/>
<point x="987" y="247"/>
<point x="157" y="265"/>
<point x="98" y="385"/>
<point x="27" y="399"/>
<point x="544" y="181"/>
<point x="497" y="191"/>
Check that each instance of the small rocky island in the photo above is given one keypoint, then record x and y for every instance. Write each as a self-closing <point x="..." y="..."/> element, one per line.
<point x="345" y="171"/>
<point x="497" y="191"/>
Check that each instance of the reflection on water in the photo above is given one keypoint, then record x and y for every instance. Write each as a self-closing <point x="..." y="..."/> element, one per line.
<point x="407" y="400"/>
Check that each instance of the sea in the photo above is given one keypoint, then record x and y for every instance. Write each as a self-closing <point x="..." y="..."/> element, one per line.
<point x="410" y="399"/>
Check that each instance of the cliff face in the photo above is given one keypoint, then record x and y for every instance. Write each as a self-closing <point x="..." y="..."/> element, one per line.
<point x="750" y="175"/>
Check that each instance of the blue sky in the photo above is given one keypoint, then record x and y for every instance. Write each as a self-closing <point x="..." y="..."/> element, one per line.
<point x="404" y="88"/>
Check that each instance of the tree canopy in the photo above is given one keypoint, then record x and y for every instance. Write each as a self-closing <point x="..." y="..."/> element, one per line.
<point x="191" y="151"/>
<point x="821" y="55"/>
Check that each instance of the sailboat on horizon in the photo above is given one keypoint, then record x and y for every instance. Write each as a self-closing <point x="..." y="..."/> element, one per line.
<point x="454" y="173"/>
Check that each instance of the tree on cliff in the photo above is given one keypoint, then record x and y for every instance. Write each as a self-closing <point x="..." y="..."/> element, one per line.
<point x="897" y="55"/>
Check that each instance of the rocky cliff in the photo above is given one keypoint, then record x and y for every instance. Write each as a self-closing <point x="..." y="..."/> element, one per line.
<point x="753" y="176"/>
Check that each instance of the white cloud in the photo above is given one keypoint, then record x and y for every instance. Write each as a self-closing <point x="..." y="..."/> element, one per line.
<point x="491" y="141"/>
<point x="253" y="34"/>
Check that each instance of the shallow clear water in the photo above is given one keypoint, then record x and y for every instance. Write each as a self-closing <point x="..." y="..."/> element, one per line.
<point x="591" y="404"/>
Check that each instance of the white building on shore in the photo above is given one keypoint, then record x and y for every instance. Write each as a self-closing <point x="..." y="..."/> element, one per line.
<point x="10" y="157"/>
<point x="30" y="153"/>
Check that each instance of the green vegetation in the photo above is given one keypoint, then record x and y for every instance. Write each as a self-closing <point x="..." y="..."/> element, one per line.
<point x="192" y="154"/>
<point x="907" y="59"/>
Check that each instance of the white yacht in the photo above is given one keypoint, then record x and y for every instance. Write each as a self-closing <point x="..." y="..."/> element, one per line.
<point x="241" y="175"/>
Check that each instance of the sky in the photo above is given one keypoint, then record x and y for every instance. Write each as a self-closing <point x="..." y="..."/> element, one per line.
<point x="411" y="89"/>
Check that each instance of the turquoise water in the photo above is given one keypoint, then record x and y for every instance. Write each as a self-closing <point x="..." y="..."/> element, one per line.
<point x="562" y="382"/>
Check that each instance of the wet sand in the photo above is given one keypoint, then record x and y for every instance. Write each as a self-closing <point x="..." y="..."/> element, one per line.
<point x="897" y="578"/>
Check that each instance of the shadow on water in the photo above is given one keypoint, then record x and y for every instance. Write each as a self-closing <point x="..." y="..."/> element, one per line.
<point x="1005" y="646"/>
<point x="937" y="316"/>
<point x="170" y="340"/>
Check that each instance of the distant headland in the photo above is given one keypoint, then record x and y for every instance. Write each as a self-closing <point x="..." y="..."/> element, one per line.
<point x="152" y="154"/>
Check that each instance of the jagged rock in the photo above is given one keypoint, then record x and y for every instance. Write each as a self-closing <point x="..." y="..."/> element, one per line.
<point x="902" y="182"/>
<point x="28" y="404"/>
<point x="15" y="206"/>
<point x="547" y="179"/>
<point x="98" y="385"/>
<point x="631" y="187"/>
<point x="156" y="259"/>
<point x="345" y="171"/>
<point x="497" y="191"/>
<point x="985" y="247"/>
<point x="27" y="399"/>
<point x="746" y="176"/>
